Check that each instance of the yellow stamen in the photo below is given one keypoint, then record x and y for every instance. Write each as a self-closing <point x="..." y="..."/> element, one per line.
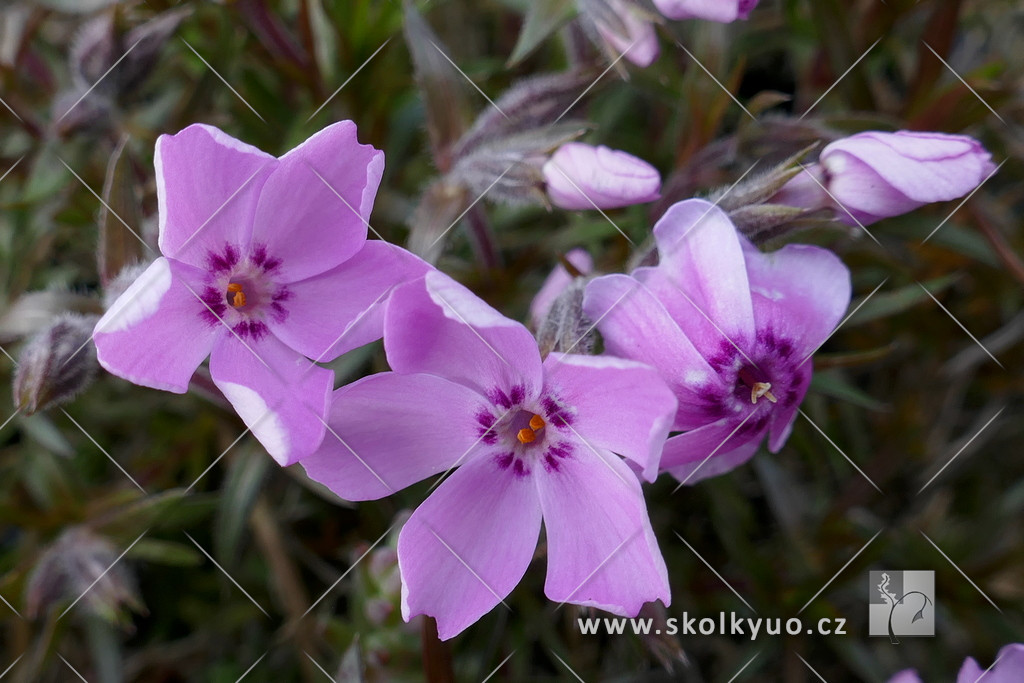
<point x="537" y="422"/>
<point x="760" y="389"/>
<point x="526" y="435"/>
<point x="238" y="298"/>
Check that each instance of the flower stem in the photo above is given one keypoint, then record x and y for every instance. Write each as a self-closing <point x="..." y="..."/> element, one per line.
<point x="482" y="239"/>
<point x="437" y="656"/>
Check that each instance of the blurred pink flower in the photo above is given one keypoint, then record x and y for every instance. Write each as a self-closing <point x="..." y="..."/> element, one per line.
<point x="875" y="175"/>
<point x="712" y="10"/>
<point x="1008" y="668"/>
<point x="580" y="176"/>
<point x="634" y="38"/>
<point x="532" y="440"/>
<point x="265" y="264"/>
<point x="731" y="329"/>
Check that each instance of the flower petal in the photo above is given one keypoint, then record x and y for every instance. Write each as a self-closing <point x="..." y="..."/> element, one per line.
<point x="713" y="449"/>
<point x="783" y="416"/>
<point x="601" y="548"/>
<point x="1008" y="667"/>
<point x="154" y="334"/>
<point x="281" y="396"/>
<point x="342" y="309"/>
<point x="694" y="472"/>
<point x="908" y="676"/>
<point x="635" y="325"/>
<point x="207" y="187"/>
<point x="723" y="11"/>
<point x="389" y="431"/>
<point x="313" y="210"/>
<point x="437" y="326"/>
<point x="702" y="260"/>
<point x="925" y="167"/>
<point x="862" y="195"/>
<point x="619" y="405"/>
<point x="581" y="176"/>
<point x="639" y="44"/>
<point x="800" y="292"/>
<point x="468" y="545"/>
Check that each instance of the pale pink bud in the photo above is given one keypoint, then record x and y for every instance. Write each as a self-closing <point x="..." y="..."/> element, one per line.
<point x="581" y="176"/>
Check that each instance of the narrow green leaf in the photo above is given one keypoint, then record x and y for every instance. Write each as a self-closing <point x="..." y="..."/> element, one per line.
<point x="543" y="18"/>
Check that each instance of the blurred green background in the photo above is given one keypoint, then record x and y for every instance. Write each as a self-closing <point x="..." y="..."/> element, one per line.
<point x="313" y="594"/>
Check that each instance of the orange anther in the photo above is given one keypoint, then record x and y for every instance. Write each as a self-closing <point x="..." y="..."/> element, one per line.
<point x="239" y="299"/>
<point x="537" y="422"/>
<point x="526" y="436"/>
<point x="234" y="287"/>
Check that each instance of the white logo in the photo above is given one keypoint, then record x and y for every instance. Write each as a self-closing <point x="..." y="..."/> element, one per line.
<point x="901" y="603"/>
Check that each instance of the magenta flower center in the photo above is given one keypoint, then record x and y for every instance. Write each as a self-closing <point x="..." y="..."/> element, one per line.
<point x="525" y="433"/>
<point x="760" y="381"/>
<point x="242" y="291"/>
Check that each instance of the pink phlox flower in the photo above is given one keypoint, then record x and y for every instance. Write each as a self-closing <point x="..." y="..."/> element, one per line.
<point x="731" y="329"/>
<point x="265" y="265"/>
<point x="530" y="440"/>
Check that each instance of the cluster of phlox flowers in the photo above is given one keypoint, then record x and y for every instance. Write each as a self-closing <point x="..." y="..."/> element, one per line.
<point x="266" y="270"/>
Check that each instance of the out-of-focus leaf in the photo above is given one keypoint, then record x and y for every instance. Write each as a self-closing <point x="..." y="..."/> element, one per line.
<point x="14" y="23"/>
<point x="325" y="40"/>
<point x="238" y="494"/>
<point x="118" y="247"/>
<point x="835" y="385"/>
<point x="42" y="429"/>
<point x="442" y="86"/>
<point x="824" y="361"/>
<point x="77" y="6"/>
<point x="351" y="666"/>
<point x="543" y="18"/>
<point x="166" y="553"/>
<point x="440" y="206"/>
<point x="168" y="510"/>
<point x="885" y="304"/>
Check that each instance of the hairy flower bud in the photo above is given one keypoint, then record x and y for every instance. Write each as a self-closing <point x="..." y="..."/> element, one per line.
<point x="581" y="176"/>
<point x="623" y="28"/>
<point x="57" y="364"/>
<point x="557" y="310"/>
<point x="870" y="176"/>
<point x="81" y="566"/>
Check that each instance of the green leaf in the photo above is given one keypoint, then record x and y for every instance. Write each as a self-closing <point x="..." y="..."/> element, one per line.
<point x="244" y="479"/>
<point x="120" y="216"/>
<point x="170" y="509"/>
<point x="166" y="553"/>
<point x="886" y="304"/>
<point x="835" y="385"/>
<point x="543" y="18"/>
<point x="77" y="6"/>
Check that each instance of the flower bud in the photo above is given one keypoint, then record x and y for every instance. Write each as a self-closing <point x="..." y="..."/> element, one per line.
<point x="81" y="566"/>
<point x="581" y="176"/>
<point x="557" y="310"/>
<point x="625" y="31"/>
<point x="723" y="11"/>
<point x="57" y="364"/>
<point x="875" y="175"/>
<point x="557" y="282"/>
